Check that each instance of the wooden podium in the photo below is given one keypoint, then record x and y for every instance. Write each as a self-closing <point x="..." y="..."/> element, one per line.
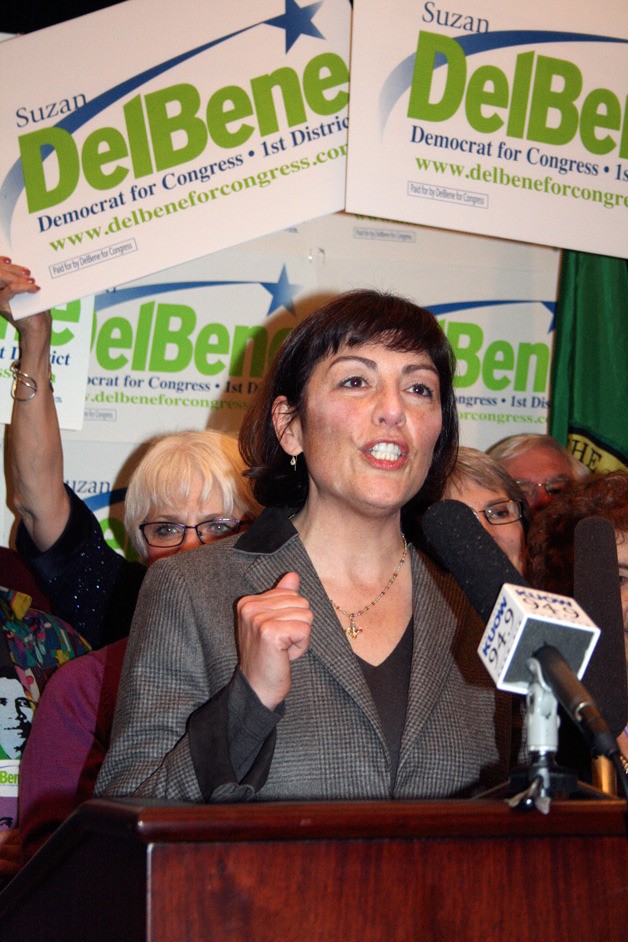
<point x="434" y="871"/>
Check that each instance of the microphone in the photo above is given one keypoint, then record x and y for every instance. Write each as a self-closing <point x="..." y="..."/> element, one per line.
<point x="522" y="622"/>
<point x="596" y="589"/>
<point x="459" y="542"/>
<point x="576" y="701"/>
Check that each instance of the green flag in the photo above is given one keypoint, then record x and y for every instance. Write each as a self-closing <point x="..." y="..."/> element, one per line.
<point x="589" y="410"/>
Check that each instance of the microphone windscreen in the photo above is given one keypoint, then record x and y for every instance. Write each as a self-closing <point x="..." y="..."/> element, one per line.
<point x="459" y="542"/>
<point x="596" y="589"/>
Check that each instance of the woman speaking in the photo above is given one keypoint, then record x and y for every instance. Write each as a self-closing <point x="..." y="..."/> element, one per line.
<point x="319" y="655"/>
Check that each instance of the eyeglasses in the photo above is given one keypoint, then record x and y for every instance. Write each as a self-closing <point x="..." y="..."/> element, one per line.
<point x="501" y="511"/>
<point x="163" y="533"/>
<point x="552" y="487"/>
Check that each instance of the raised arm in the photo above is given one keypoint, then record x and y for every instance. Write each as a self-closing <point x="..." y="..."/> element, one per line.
<point x="33" y="440"/>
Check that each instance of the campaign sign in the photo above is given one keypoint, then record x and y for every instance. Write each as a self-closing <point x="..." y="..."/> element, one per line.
<point x="72" y="326"/>
<point x="506" y="120"/>
<point x="125" y="156"/>
<point x="9" y="777"/>
<point x="188" y="347"/>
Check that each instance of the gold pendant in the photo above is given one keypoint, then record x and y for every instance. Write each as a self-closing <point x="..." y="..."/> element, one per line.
<point x="353" y="629"/>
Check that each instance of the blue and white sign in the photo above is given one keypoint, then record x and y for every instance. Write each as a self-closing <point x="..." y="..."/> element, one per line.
<point x="138" y="149"/>
<point x="506" y="120"/>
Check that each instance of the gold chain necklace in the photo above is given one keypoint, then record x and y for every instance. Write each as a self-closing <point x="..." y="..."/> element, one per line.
<point x="352" y="629"/>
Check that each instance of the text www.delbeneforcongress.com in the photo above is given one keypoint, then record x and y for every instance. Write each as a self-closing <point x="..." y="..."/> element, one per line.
<point x="196" y="198"/>
<point x="496" y="175"/>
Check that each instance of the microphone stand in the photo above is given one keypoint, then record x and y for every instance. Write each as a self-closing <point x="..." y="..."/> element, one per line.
<point x="535" y="784"/>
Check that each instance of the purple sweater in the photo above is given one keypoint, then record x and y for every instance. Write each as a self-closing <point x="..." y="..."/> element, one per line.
<point x="67" y="744"/>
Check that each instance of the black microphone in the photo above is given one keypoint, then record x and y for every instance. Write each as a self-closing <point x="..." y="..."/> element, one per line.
<point x="459" y="542"/>
<point x="522" y="622"/>
<point x="596" y="589"/>
<point x="576" y="701"/>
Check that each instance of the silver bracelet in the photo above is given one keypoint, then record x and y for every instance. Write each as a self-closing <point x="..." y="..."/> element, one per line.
<point x="20" y="378"/>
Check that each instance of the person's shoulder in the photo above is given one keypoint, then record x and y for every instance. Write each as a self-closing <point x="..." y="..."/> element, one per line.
<point x="213" y="569"/>
<point x="216" y="573"/>
<point x="267" y="534"/>
<point x="80" y="673"/>
<point x="80" y="690"/>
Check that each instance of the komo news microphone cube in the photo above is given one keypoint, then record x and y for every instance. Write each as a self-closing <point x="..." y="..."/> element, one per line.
<point x="525" y="619"/>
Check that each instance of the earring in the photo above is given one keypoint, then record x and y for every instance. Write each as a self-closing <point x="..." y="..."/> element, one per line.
<point x="293" y="462"/>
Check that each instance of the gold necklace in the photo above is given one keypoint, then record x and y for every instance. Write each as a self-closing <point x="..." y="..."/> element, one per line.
<point x="352" y="629"/>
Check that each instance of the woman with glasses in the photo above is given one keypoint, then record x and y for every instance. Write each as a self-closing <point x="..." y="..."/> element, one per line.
<point x="319" y="655"/>
<point x="191" y="480"/>
<point x="188" y="490"/>
<point x="497" y="501"/>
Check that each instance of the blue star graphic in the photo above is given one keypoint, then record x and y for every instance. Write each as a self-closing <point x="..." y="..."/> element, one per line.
<point x="282" y="292"/>
<point x="297" y="21"/>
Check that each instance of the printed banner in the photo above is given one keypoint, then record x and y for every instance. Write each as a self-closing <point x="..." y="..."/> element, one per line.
<point x="125" y="156"/>
<point x="69" y="361"/>
<point x="506" y="120"/>
<point x="187" y="348"/>
<point x="9" y="777"/>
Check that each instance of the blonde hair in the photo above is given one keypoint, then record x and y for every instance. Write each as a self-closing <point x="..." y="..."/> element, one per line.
<point x="483" y="470"/>
<point x="165" y="475"/>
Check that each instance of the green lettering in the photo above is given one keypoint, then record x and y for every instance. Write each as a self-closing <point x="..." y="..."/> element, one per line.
<point x="168" y="335"/>
<point x="34" y="147"/>
<point x="320" y="74"/>
<point x="219" y="116"/>
<point x="623" y="144"/>
<point x="521" y="83"/>
<point x="4" y="326"/>
<point x="212" y="340"/>
<point x="488" y="86"/>
<point x="499" y="356"/>
<point x="70" y="313"/>
<point x="241" y="338"/>
<point x="600" y="109"/>
<point x="560" y="102"/>
<point x="100" y="148"/>
<point x="92" y="339"/>
<point x="138" y="137"/>
<point x="262" y="87"/>
<point x="116" y="333"/>
<point x="431" y="45"/>
<point x="142" y="335"/>
<point x="164" y="125"/>
<point x="473" y="337"/>
<point x="541" y="353"/>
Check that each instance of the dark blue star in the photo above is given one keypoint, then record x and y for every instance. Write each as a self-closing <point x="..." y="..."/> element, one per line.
<point x="282" y="292"/>
<point x="297" y="21"/>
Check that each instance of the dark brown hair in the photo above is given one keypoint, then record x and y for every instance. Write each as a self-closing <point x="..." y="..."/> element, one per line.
<point x="354" y="318"/>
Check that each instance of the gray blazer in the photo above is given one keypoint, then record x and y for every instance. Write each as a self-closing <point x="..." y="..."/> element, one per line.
<point x="182" y="710"/>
